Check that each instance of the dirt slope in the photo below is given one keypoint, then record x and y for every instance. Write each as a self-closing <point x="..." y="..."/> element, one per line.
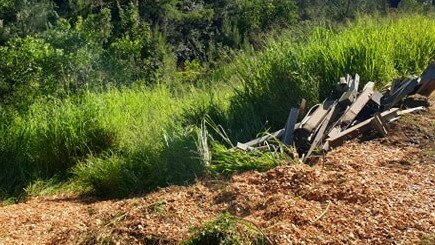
<point x="380" y="191"/>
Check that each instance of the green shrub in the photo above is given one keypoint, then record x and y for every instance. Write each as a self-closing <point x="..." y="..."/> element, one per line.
<point x="27" y="68"/>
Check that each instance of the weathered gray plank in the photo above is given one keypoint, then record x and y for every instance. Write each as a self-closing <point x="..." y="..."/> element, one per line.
<point x="406" y="89"/>
<point x="378" y="124"/>
<point x="290" y="126"/>
<point x="358" y="129"/>
<point x="320" y="134"/>
<point x="428" y="74"/>
<point x="358" y="105"/>
<point x="264" y="138"/>
<point x="349" y="96"/>
<point x="315" y="118"/>
<point x="411" y="110"/>
<point x="427" y="80"/>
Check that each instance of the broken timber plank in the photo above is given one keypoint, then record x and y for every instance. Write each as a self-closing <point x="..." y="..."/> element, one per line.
<point x="394" y="85"/>
<point x="349" y="96"/>
<point x="264" y="138"/>
<point x="358" y="105"/>
<point x="358" y="129"/>
<point x="404" y="90"/>
<point x="258" y="141"/>
<point x="427" y="80"/>
<point x="344" y="103"/>
<point x="315" y="118"/>
<point x="403" y="112"/>
<point x="376" y="97"/>
<point x="290" y="126"/>
<point x="320" y="134"/>
<point x="243" y="147"/>
<point x="379" y="124"/>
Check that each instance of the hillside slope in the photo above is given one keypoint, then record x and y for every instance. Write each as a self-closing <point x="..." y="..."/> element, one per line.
<point x="379" y="191"/>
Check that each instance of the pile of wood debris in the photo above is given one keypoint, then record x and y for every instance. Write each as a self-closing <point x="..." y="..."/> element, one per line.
<point x="331" y="123"/>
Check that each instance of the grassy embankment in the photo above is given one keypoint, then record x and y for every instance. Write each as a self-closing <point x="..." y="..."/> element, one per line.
<point x="132" y="140"/>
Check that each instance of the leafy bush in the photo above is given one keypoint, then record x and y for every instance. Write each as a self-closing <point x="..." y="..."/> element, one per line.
<point x="28" y="66"/>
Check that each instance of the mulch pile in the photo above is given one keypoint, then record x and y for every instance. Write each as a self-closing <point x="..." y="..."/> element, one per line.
<point x="379" y="191"/>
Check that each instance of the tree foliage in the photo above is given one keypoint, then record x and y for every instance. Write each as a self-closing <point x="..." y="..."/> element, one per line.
<point x="56" y="47"/>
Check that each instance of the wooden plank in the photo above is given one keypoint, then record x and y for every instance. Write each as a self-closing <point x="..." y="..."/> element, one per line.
<point x="260" y="140"/>
<point x="290" y="126"/>
<point x="315" y="118"/>
<point x="427" y="88"/>
<point x="243" y="147"/>
<point x="406" y="89"/>
<point x="396" y="84"/>
<point x="376" y="97"/>
<point x="358" y="105"/>
<point x="427" y="80"/>
<point x="358" y="129"/>
<point x="378" y="124"/>
<point x="428" y="74"/>
<point x="264" y="138"/>
<point x="403" y="112"/>
<point x="320" y="134"/>
<point x="355" y="85"/>
<point x="344" y="104"/>
<point x="349" y="96"/>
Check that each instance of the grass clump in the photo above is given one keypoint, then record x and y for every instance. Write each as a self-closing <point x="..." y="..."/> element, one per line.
<point x="155" y="150"/>
<point x="225" y="230"/>
<point x="113" y="144"/>
<point x="226" y="162"/>
<point x="49" y="139"/>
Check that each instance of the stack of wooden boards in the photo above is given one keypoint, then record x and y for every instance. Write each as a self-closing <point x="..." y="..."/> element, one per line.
<point x="355" y="112"/>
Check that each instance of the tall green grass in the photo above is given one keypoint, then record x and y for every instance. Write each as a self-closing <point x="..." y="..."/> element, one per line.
<point x="115" y="143"/>
<point x="127" y="141"/>
<point x="272" y="81"/>
<point x="49" y="139"/>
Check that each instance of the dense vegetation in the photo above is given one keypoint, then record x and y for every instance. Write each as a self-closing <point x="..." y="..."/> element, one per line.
<point x="120" y="97"/>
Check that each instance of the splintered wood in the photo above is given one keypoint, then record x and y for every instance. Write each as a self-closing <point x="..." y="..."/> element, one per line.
<point x="336" y="120"/>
